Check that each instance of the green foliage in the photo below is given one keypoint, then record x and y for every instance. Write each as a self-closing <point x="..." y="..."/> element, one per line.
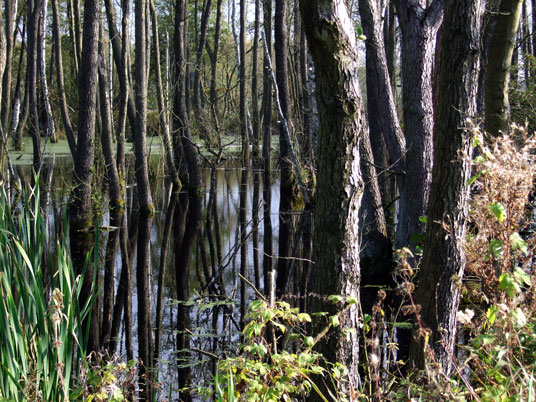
<point x="40" y="317"/>
<point x="263" y="370"/>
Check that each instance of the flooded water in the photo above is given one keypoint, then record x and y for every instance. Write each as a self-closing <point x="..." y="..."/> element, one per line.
<point x="200" y="317"/>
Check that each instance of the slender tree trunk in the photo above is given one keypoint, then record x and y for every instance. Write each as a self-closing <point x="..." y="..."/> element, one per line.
<point x="162" y="113"/>
<point x="61" y="86"/>
<point x="331" y="37"/>
<point x="497" y="106"/>
<point x="10" y="14"/>
<point x="18" y="98"/>
<point x="199" y="57"/>
<point x="266" y="149"/>
<point x="443" y="262"/>
<point x="115" y="194"/>
<point x="51" y="129"/>
<point x="185" y="152"/>
<point x="286" y="187"/>
<point x="144" y="198"/>
<point x="214" y="67"/>
<point x="33" y="7"/>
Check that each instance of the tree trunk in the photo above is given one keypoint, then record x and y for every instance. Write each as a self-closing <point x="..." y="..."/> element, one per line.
<point x="33" y="7"/>
<point x="10" y="14"/>
<point x="80" y="211"/>
<point x="497" y="106"/>
<point x="59" y="72"/>
<point x="443" y="262"/>
<point x="162" y="113"/>
<point x="331" y="38"/>
<point x="286" y="186"/>
<point x="115" y="194"/>
<point x="266" y="148"/>
<point x="419" y="24"/>
<point x="144" y="198"/>
<point x="199" y="58"/>
<point x="51" y="129"/>
<point x="185" y="152"/>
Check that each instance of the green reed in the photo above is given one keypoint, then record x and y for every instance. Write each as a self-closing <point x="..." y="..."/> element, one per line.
<point x="40" y="317"/>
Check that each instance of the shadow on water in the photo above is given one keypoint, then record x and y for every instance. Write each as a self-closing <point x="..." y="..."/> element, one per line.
<point x="193" y="246"/>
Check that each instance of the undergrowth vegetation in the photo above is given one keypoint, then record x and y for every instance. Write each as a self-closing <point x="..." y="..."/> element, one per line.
<point x="496" y="351"/>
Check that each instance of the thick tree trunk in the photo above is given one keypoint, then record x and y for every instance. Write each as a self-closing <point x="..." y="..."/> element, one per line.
<point x="443" y="262"/>
<point x="419" y="24"/>
<point x="497" y="106"/>
<point x="331" y="38"/>
<point x="80" y="211"/>
<point x="214" y="67"/>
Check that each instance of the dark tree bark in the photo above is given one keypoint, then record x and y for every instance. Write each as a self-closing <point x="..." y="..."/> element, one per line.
<point x="331" y="38"/>
<point x="145" y="199"/>
<point x="286" y="186"/>
<point x="214" y="67"/>
<point x="33" y="8"/>
<point x="80" y="210"/>
<point x="10" y="33"/>
<point x="497" y="106"/>
<point x="419" y="24"/>
<point x="443" y="262"/>
<point x="184" y="150"/>
<point x="266" y="148"/>
<point x="199" y="57"/>
<point x="116" y="201"/>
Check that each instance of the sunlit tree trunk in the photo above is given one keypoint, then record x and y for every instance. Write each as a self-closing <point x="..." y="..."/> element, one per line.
<point x="497" y="106"/>
<point x="443" y="262"/>
<point x="10" y="34"/>
<point x="331" y="37"/>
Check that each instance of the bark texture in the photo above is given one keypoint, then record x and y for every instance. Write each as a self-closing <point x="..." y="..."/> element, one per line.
<point x="331" y="37"/>
<point x="497" y="106"/>
<point x="418" y="24"/>
<point x="444" y="259"/>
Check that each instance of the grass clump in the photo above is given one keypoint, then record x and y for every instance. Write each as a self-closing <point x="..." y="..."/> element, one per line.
<point x="40" y="317"/>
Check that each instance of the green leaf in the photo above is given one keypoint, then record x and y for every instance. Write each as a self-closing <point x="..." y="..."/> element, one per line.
<point x="496" y="248"/>
<point x="304" y="317"/>
<point x="351" y="300"/>
<point x="404" y="325"/>
<point x="491" y="314"/>
<point x="418" y="237"/>
<point x="521" y="277"/>
<point x="518" y="243"/>
<point x="309" y="341"/>
<point x="334" y="320"/>
<point x="498" y="210"/>
<point x="423" y="219"/>
<point x="480" y="159"/>
<point x="509" y="285"/>
<point x="335" y="299"/>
